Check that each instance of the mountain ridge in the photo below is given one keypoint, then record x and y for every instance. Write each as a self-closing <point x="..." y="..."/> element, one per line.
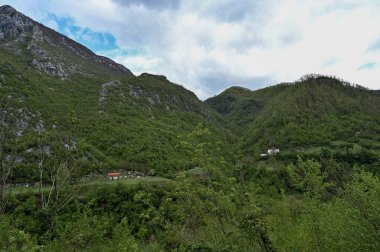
<point x="315" y="111"/>
<point x="40" y="41"/>
<point x="15" y="25"/>
<point x="124" y="120"/>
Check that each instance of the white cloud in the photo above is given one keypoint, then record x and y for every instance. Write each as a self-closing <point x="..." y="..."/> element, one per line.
<point x="214" y="44"/>
<point x="140" y="64"/>
<point x="52" y="24"/>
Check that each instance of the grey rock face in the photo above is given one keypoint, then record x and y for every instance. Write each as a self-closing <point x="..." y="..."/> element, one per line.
<point x="13" y="23"/>
<point x="38" y="34"/>
<point x="50" y="68"/>
<point x="135" y="91"/>
<point x="7" y="8"/>
<point x="106" y="89"/>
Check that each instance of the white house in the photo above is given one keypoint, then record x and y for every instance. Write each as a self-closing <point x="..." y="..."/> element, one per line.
<point x="273" y="151"/>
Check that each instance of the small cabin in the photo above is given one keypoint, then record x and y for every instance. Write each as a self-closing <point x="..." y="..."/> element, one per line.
<point x="273" y="151"/>
<point x="270" y="152"/>
<point x="114" y="176"/>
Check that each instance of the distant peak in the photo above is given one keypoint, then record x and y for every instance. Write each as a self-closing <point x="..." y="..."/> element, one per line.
<point x="13" y="23"/>
<point x="239" y="88"/>
<point x="236" y="89"/>
<point x="7" y="9"/>
<point x="161" y="77"/>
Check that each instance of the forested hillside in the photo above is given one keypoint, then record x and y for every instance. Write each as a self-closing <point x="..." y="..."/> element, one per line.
<point x="115" y="120"/>
<point x="316" y="111"/>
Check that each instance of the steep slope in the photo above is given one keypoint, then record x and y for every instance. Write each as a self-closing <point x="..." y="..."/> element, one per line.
<point x="316" y="111"/>
<point x="49" y="51"/>
<point x="59" y="91"/>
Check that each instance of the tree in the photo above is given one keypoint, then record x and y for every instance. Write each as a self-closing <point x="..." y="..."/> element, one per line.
<point x="307" y="176"/>
<point x="122" y="240"/>
<point x="363" y="193"/>
<point x="60" y="164"/>
<point x="8" y="139"/>
<point x="13" y="239"/>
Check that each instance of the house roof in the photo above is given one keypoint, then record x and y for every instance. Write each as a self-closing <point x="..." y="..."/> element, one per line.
<point x="113" y="174"/>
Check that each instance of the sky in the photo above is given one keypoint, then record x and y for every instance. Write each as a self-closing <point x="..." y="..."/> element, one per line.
<point x="208" y="46"/>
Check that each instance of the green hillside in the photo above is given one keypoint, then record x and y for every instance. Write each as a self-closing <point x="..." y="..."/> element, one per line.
<point x="61" y="91"/>
<point x="317" y="111"/>
<point x="132" y="120"/>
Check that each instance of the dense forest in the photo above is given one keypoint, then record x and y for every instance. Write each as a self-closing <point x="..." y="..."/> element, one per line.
<point x="192" y="175"/>
<point x="319" y="203"/>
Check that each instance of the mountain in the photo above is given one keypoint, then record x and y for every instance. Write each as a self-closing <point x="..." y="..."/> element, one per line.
<point x="49" y="51"/>
<point x="57" y="92"/>
<point x="316" y="111"/>
<point x="56" y="88"/>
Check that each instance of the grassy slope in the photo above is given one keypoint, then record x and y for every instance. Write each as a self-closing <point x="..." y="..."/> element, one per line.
<point x="84" y="187"/>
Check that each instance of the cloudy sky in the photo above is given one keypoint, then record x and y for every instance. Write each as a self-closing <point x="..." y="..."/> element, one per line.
<point x="210" y="45"/>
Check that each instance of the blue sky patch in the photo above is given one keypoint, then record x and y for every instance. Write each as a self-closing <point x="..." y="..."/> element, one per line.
<point x="96" y="41"/>
<point x="119" y="52"/>
<point x="374" y="47"/>
<point x="369" y="65"/>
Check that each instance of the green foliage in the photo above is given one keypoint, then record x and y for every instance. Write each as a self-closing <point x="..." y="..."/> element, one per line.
<point x="83" y="231"/>
<point x="122" y="238"/>
<point x="363" y="193"/>
<point x="14" y="239"/>
<point x="307" y="176"/>
<point x="347" y="223"/>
